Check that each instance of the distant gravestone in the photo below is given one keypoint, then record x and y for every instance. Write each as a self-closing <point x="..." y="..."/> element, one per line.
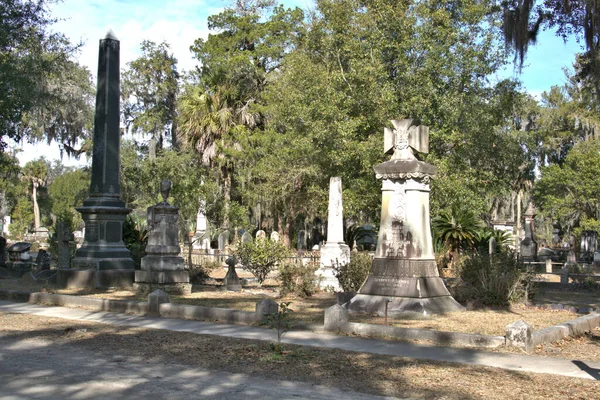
<point x="246" y="237"/>
<point x="529" y="246"/>
<point x="260" y="234"/>
<point x="589" y="245"/>
<point x="275" y="236"/>
<point x="231" y="281"/>
<point x="63" y="238"/>
<point x="302" y="240"/>
<point x="43" y="260"/>
<point x="223" y="240"/>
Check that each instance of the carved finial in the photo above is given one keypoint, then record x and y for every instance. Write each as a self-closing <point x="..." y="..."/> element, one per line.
<point x="165" y="189"/>
<point x="407" y="135"/>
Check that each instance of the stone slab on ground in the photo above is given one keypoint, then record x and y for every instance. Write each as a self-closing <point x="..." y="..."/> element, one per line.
<point x="536" y="364"/>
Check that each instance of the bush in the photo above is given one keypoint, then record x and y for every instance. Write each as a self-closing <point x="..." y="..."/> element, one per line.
<point x="200" y="273"/>
<point x="353" y="274"/>
<point x="298" y="279"/>
<point x="260" y="257"/>
<point x="498" y="282"/>
<point x="135" y="237"/>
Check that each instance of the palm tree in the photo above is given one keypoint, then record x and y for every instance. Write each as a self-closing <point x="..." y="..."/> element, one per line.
<point x="458" y="230"/>
<point x="212" y="123"/>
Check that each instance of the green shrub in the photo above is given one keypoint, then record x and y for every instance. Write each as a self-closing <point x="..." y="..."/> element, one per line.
<point x="260" y="257"/>
<point x="135" y="237"/>
<point x="499" y="281"/>
<point x="280" y="321"/>
<point x="298" y="279"/>
<point x="352" y="275"/>
<point x="200" y="273"/>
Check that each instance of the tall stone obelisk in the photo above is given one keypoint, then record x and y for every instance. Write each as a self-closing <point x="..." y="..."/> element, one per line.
<point x="335" y="249"/>
<point x="103" y="250"/>
<point x="404" y="272"/>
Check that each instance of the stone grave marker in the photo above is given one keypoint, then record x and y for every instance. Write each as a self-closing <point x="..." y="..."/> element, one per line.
<point x="64" y="239"/>
<point x="246" y="237"/>
<point x="275" y="236"/>
<point x="302" y="245"/>
<point x="260" y="234"/>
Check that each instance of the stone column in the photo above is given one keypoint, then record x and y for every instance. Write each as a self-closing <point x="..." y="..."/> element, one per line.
<point x="104" y="212"/>
<point x="404" y="273"/>
<point x="335" y="251"/>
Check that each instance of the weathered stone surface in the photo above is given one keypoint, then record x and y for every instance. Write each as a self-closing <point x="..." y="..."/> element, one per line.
<point x="529" y="246"/>
<point x="275" y="236"/>
<point x="64" y="239"/>
<point x="231" y="281"/>
<point x="519" y="334"/>
<point x="103" y="211"/>
<point x="302" y="244"/>
<point x="260" y="234"/>
<point x="2" y="251"/>
<point x="266" y="306"/>
<point x="335" y="316"/>
<point x="404" y="268"/>
<point x="344" y="297"/>
<point x="155" y="299"/>
<point x="246" y="237"/>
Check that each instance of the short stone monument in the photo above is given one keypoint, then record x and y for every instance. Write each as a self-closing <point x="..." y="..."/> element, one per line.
<point x="335" y="251"/>
<point x="246" y="237"/>
<point x="223" y="241"/>
<point x="260" y="234"/>
<point x="519" y="334"/>
<point x="162" y="267"/>
<point x="275" y="236"/>
<point x="63" y="239"/>
<point x="18" y="256"/>
<point x="42" y="260"/>
<point x="528" y="245"/>
<point x="231" y="281"/>
<point x="404" y="273"/>
<point x="103" y="260"/>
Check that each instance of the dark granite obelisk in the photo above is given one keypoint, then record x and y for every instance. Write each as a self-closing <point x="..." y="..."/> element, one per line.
<point x="104" y="212"/>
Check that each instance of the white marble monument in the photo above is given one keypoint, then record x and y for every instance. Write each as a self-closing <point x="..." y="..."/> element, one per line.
<point x="335" y="249"/>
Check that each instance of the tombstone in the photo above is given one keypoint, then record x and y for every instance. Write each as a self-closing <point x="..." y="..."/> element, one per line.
<point x="2" y="251"/>
<point x="260" y="234"/>
<point x="302" y="240"/>
<point x="18" y="256"/>
<point x="103" y="251"/>
<point x="335" y="251"/>
<point x="246" y="237"/>
<point x="528" y="245"/>
<point x="555" y="236"/>
<point x="231" y="281"/>
<point x="492" y="246"/>
<point x="274" y="236"/>
<point x="546" y="253"/>
<point x="404" y="272"/>
<point x="589" y="245"/>
<point x="64" y="239"/>
<point x="223" y="240"/>
<point x="201" y="238"/>
<point x="162" y="267"/>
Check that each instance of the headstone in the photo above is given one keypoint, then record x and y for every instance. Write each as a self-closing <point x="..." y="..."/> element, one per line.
<point x="64" y="239"/>
<point x="589" y="245"/>
<point x="274" y="236"/>
<point x="2" y="251"/>
<point x="201" y="238"/>
<point x="528" y="244"/>
<point x="155" y="299"/>
<point x="260" y="234"/>
<point x="404" y="272"/>
<point x="266" y="306"/>
<point x="335" y="317"/>
<point x="335" y="251"/>
<point x="18" y="256"/>
<point x="492" y="246"/>
<point x="548" y="266"/>
<point x="103" y="212"/>
<point x="231" y="281"/>
<point x="556" y="236"/>
<point x="162" y="267"/>
<point x="519" y="334"/>
<point x="246" y="237"/>
<point x="302" y="240"/>
<point x="43" y="260"/>
<point x="564" y="275"/>
<point x="223" y="240"/>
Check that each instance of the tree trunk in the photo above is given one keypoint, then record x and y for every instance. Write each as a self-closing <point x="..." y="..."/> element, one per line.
<point x="518" y="236"/>
<point x="36" y="207"/>
<point x="226" y="197"/>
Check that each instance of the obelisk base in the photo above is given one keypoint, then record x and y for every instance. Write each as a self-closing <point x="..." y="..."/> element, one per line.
<point x="332" y="254"/>
<point x="406" y="285"/>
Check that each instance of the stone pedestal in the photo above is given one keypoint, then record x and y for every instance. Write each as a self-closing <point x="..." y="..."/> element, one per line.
<point x="404" y="273"/>
<point x="529" y="247"/>
<point x="162" y="268"/>
<point x="231" y="281"/>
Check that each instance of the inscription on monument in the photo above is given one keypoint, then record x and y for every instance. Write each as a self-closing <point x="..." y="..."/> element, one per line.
<point x="91" y="231"/>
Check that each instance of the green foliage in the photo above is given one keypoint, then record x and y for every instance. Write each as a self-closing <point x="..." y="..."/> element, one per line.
<point x="281" y="322"/>
<point x="200" y="273"/>
<point x="22" y="218"/>
<point x="260" y="256"/>
<point x="135" y="237"/>
<point x="149" y="88"/>
<point x="352" y="275"/>
<point x="67" y="192"/>
<point x="499" y="281"/>
<point x="459" y="231"/>
<point x="298" y="279"/>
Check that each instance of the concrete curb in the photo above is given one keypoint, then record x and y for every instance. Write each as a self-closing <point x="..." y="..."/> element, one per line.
<point x="121" y="306"/>
<point x="172" y="310"/>
<point x="437" y="337"/>
<point x="574" y="327"/>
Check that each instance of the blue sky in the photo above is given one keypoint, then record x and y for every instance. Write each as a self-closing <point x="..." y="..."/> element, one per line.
<point x="180" y="22"/>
